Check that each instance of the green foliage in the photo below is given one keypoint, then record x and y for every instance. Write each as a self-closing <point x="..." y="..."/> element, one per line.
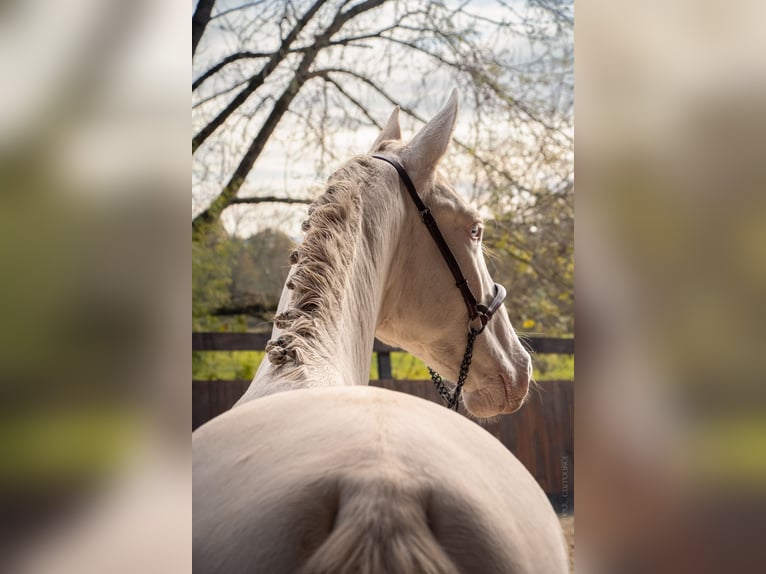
<point x="531" y="252"/>
<point x="236" y="283"/>
<point x="213" y="255"/>
<point x="553" y="367"/>
<point x="261" y="269"/>
<point x="225" y="365"/>
<point x="232" y="280"/>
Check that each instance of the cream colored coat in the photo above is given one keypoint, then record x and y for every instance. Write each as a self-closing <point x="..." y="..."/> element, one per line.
<point x="337" y="477"/>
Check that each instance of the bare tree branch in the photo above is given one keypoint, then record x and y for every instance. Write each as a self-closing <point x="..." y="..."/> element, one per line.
<point x="270" y="199"/>
<point x="252" y="55"/>
<point x="218" y="94"/>
<point x="326" y="76"/>
<point x="228" y="60"/>
<point x="258" y="79"/>
<point x="554" y="8"/>
<point x="237" y="9"/>
<point x="479" y="76"/>
<point x="412" y="113"/>
<point x="428" y="30"/>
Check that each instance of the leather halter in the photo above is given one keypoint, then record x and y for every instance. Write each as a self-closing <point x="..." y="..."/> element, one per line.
<point x="476" y="310"/>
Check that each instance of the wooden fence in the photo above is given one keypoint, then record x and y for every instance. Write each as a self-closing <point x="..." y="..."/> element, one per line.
<point x="541" y="434"/>
<point x="257" y="342"/>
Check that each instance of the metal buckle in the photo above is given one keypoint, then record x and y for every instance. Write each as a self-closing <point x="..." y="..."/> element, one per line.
<point x="484" y="313"/>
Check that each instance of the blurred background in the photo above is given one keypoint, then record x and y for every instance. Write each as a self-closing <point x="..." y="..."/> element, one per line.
<point x="95" y="266"/>
<point x="671" y="272"/>
<point x="94" y="296"/>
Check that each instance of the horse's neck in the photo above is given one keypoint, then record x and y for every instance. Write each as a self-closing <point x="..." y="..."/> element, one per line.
<point x="338" y="347"/>
<point x="339" y="351"/>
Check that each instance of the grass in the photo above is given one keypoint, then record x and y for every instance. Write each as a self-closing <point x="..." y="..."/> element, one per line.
<point x="210" y="365"/>
<point x="553" y="367"/>
<point x="226" y="365"/>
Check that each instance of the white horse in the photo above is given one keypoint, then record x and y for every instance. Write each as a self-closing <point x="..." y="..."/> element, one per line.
<point x="337" y="477"/>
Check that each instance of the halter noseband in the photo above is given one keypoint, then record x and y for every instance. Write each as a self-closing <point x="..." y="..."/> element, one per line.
<point x="476" y="310"/>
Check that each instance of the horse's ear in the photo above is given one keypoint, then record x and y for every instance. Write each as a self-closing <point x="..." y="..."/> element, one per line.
<point x="423" y="153"/>
<point x="390" y="132"/>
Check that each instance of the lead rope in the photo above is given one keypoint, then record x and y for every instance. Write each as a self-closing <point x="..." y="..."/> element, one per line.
<point x="451" y="398"/>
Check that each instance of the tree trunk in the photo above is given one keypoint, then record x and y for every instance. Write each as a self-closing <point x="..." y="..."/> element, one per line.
<point x="199" y="21"/>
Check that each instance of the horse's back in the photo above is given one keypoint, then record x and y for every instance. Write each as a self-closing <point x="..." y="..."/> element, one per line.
<point x="364" y="480"/>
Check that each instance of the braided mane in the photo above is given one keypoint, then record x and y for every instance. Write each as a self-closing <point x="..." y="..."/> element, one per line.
<point x="322" y="266"/>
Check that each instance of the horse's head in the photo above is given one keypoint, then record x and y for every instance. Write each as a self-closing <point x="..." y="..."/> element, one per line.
<point x="423" y="311"/>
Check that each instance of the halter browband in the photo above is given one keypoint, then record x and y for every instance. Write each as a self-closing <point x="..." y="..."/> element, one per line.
<point x="475" y="310"/>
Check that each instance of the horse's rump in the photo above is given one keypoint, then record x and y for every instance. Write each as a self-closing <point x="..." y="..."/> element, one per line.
<point x="370" y="482"/>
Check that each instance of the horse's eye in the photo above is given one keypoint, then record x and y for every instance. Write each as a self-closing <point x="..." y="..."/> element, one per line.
<point x="476" y="231"/>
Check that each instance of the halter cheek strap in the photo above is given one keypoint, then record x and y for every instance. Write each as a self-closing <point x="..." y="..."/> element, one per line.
<point x="475" y="310"/>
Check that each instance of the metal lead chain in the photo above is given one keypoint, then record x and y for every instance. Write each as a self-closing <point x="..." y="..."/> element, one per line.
<point x="451" y="398"/>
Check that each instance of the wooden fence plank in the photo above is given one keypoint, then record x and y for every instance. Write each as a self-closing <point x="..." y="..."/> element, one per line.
<point x="229" y="341"/>
<point x="384" y="365"/>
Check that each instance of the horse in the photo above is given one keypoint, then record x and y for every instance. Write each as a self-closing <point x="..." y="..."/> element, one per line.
<point x="313" y="471"/>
